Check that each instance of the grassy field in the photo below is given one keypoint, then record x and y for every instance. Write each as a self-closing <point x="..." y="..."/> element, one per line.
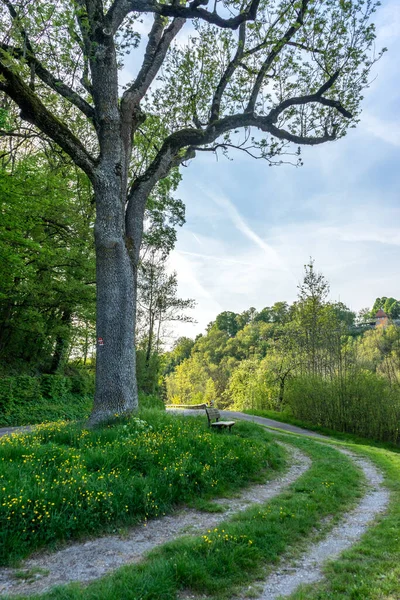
<point x="230" y="558"/>
<point x="64" y="481"/>
<point x="234" y="554"/>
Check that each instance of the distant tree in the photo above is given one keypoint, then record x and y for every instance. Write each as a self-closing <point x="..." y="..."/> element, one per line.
<point x="379" y="351"/>
<point x="229" y="322"/>
<point x="264" y="315"/>
<point x="278" y="313"/>
<point x="181" y="350"/>
<point x="392" y="308"/>
<point x="246" y="317"/>
<point x="158" y="302"/>
<point x="364" y="315"/>
<point x="343" y="313"/>
<point x="312" y="294"/>
<point x="379" y="303"/>
<point x="190" y="383"/>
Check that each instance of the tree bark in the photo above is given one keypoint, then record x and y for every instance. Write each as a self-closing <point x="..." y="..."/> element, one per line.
<point x="116" y="388"/>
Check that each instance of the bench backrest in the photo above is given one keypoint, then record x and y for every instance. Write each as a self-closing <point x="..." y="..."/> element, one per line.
<point x="212" y="413"/>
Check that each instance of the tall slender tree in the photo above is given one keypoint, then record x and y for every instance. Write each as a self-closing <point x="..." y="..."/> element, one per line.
<point x="293" y="69"/>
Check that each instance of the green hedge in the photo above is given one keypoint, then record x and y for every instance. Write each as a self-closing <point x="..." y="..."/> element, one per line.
<point x="28" y="400"/>
<point x="25" y="399"/>
<point x="18" y="390"/>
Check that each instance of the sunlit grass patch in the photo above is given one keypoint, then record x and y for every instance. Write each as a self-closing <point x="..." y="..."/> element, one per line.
<point x="64" y="481"/>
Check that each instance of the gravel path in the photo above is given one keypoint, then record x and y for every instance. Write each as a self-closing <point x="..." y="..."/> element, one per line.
<point x="10" y="430"/>
<point x="90" y="560"/>
<point x="288" y="576"/>
<point x="308" y="569"/>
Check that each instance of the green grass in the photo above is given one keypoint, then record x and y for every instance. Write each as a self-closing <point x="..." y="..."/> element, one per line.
<point x="235" y="553"/>
<point x="64" y="481"/>
<point x="285" y="416"/>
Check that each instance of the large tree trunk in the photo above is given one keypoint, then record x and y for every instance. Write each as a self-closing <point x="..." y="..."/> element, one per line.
<point x="116" y="388"/>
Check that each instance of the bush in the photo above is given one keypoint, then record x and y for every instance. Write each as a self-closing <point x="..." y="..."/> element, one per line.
<point x="363" y="404"/>
<point x="5" y="394"/>
<point x="17" y="391"/>
<point x="54" y="386"/>
<point x="28" y="400"/>
<point x="148" y="374"/>
<point x="150" y="401"/>
<point x="82" y="383"/>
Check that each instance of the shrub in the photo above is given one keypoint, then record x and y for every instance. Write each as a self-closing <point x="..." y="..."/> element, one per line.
<point x="17" y="391"/>
<point x="27" y="400"/>
<point x="363" y="403"/>
<point x="150" y="401"/>
<point x="54" y="386"/>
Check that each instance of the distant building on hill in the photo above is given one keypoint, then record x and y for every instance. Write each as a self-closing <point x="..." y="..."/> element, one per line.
<point x="381" y="318"/>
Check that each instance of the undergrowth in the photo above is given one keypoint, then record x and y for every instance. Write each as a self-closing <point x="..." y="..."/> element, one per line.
<point x="64" y="481"/>
<point x="68" y="407"/>
<point x="285" y="416"/>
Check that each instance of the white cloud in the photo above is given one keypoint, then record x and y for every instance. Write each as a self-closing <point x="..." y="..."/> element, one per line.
<point x="388" y="22"/>
<point x="215" y="258"/>
<point x="274" y="260"/>
<point x="388" y="131"/>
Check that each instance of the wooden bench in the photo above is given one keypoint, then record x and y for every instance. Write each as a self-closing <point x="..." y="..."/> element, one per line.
<point x="213" y="413"/>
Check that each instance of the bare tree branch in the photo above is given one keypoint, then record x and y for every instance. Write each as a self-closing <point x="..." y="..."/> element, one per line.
<point x="282" y="134"/>
<point x="229" y="71"/>
<point x="310" y="98"/>
<point x="274" y="53"/>
<point x="53" y="82"/>
<point x="121" y="8"/>
<point x="304" y="47"/>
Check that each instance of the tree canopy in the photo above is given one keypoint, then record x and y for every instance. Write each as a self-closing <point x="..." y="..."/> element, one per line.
<point x="293" y="70"/>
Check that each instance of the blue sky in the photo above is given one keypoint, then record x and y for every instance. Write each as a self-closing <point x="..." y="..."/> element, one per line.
<point x="250" y="228"/>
